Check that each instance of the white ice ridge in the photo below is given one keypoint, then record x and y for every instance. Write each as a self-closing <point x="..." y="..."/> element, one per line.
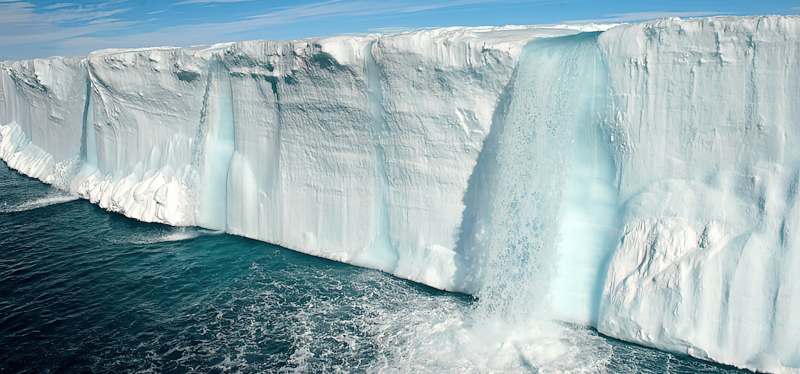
<point x="642" y="179"/>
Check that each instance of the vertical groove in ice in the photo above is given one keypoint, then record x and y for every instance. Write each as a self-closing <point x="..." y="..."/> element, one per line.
<point x="214" y="147"/>
<point x="381" y="251"/>
<point x="88" y="140"/>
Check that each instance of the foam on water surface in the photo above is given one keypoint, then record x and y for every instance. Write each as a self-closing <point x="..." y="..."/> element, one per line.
<point x="55" y="197"/>
<point x="169" y="235"/>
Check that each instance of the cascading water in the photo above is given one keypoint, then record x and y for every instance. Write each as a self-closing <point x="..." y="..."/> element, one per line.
<point x="549" y="156"/>
<point x="557" y="111"/>
<point x="214" y="148"/>
<point x="554" y="97"/>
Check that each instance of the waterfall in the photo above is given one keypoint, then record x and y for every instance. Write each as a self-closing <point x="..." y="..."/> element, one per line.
<point x="557" y="105"/>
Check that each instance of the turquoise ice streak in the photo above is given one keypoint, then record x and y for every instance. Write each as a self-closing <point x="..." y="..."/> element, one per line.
<point x="84" y="290"/>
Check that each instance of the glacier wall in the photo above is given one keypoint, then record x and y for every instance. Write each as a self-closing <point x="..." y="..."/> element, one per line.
<point x="641" y="179"/>
<point x="705" y="120"/>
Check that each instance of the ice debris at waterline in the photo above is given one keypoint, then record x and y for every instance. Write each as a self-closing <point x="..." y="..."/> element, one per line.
<point x="641" y="178"/>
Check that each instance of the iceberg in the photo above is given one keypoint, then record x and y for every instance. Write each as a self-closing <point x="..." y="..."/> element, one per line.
<point x="639" y="178"/>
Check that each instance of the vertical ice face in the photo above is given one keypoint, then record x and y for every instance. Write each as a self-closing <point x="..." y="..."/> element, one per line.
<point x="303" y="169"/>
<point x="45" y="99"/>
<point x="319" y="145"/>
<point x="643" y="179"/>
<point x="359" y="148"/>
<point x="146" y="108"/>
<point x="705" y="120"/>
<point x="439" y="91"/>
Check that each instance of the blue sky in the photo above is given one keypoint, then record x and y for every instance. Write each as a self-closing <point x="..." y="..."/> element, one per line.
<point x="34" y="28"/>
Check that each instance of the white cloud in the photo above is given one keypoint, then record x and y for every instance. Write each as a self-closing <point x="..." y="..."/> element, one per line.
<point x="208" y="1"/>
<point x="23" y="23"/>
<point x="59" y="5"/>
<point x="335" y="8"/>
<point x="209" y="33"/>
<point x="184" y="35"/>
<point x="397" y="29"/>
<point x="644" y="16"/>
<point x="73" y="29"/>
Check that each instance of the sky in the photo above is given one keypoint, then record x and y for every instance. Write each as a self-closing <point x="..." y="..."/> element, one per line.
<point x="43" y="28"/>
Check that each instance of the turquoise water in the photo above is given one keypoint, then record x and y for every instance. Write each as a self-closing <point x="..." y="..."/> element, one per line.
<point x="84" y="290"/>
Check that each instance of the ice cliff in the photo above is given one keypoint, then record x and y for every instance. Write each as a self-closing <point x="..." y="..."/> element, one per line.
<point x="643" y="179"/>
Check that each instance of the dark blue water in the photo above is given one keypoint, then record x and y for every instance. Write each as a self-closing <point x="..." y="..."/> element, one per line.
<point x="84" y="290"/>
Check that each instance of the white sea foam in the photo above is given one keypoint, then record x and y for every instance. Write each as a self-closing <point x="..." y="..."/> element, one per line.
<point x="170" y="235"/>
<point x="50" y="199"/>
<point x="441" y="339"/>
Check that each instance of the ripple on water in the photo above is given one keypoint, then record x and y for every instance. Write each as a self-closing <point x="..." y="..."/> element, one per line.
<point x="87" y="290"/>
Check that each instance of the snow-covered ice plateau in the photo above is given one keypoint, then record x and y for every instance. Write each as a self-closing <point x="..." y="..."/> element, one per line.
<point x="640" y="178"/>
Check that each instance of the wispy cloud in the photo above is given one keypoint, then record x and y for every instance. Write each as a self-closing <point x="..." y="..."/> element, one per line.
<point x="59" y="5"/>
<point x="205" y="33"/>
<point x="339" y="8"/>
<point x="643" y="16"/>
<point x="209" y="33"/>
<point x="24" y="23"/>
<point x="397" y="29"/>
<point x="208" y="1"/>
<point x="69" y="29"/>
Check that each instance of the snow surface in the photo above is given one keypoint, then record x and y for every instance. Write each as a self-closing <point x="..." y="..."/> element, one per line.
<point x="640" y="178"/>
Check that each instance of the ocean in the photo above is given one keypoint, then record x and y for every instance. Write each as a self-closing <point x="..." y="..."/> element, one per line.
<point x="85" y="290"/>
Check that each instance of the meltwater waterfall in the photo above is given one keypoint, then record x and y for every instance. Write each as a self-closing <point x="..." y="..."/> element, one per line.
<point x="556" y="112"/>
